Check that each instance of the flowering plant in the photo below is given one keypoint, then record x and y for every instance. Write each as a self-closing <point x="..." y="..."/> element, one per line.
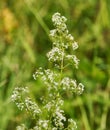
<point x="55" y="81"/>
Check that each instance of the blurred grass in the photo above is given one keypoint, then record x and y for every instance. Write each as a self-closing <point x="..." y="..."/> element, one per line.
<point x="24" y="28"/>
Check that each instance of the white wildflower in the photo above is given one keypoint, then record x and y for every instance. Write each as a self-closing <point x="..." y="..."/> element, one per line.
<point x="72" y="124"/>
<point x="73" y="58"/>
<point x="32" y="107"/>
<point x="53" y="32"/>
<point x="55" y="54"/>
<point x="55" y="128"/>
<point x="17" y="93"/>
<point x="20" y="105"/>
<point x="38" y="73"/>
<point x="58" y="19"/>
<point x="59" y="118"/>
<point x="50" y="116"/>
<point x="75" y="45"/>
<point x="68" y="84"/>
<point x="76" y="61"/>
<point x="43" y="124"/>
<point x="69" y="37"/>
<point x="80" y="88"/>
<point x="21" y="127"/>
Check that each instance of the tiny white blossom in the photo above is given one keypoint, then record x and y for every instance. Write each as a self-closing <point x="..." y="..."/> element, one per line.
<point x="70" y="37"/>
<point x="21" y="127"/>
<point x="55" y="54"/>
<point x="64" y="19"/>
<point x="72" y="124"/>
<point x="74" y="59"/>
<point x="43" y="124"/>
<point x="34" y="76"/>
<point x="20" y="105"/>
<point x="54" y="128"/>
<point x="75" y="45"/>
<point x="80" y="88"/>
<point x="58" y="19"/>
<point x="59" y="117"/>
<point x="53" y="32"/>
<point x="32" y="107"/>
<point x="68" y="84"/>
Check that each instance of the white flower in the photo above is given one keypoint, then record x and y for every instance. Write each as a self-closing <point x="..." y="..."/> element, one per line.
<point x="17" y="93"/>
<point x="64" y="19"/>
<point x="80" y="88"/>
<point x="20" y="106"/>
<point x="32" y="107"/>
<point x="59" y="117"/>
<point x="58" y="19"/>
<point x="21" y="127"/>
<point x="72" y="124"/>
<point x="68" y="84"/>
<point x="76" y="61"/>
<point x="38" y="73"/>
<point x="53" y="32"/>
<point x="70" y="37"/>
<point x="15" y="96"/>
<point x="54" y="128"/>
<point x="43" y="124"/>
<point x="75" y="45"/>
<point x="55" y="54"/>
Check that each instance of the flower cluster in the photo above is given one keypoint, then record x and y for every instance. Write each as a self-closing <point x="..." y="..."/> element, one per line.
<point x="59" y="118"/>
<point x="22" y="101"/>
<point x="21" y="127"/>
<point x="71" y="85"/>
<point x="71" y="124"/>
<point x="50" y="114"/>
<point x="72" y="58"/>
<point x="48" y="77"/>
<point x="59" y="54"/>
<point x="53" y="104"/>
<point x="62" y="42"/>
<point x="17" y="95"/>
<point x="55" y="54"/>
<point x="42" y="125"/>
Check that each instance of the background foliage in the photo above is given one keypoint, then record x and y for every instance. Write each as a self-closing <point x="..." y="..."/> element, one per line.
<point x="24" y="41"/>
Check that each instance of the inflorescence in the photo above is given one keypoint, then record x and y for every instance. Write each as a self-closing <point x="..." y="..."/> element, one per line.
<point x="55" y="81"/>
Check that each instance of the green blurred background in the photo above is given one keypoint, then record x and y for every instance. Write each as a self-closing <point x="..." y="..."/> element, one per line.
<point x="24" y="41"/>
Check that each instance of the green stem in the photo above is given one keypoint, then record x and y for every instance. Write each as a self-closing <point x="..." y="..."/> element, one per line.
<point x="62" y="61"/>
<point x="61" y="67"/>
